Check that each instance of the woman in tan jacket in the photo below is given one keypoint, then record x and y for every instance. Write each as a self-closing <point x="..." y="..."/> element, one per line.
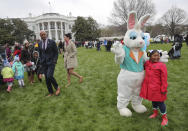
<point x="70" y="58"/>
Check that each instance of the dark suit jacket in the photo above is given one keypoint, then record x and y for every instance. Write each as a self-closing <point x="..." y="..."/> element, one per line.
<point x="49" y="55"/>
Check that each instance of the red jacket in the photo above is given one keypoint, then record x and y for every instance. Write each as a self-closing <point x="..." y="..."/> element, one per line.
<point x="155" y="82"/>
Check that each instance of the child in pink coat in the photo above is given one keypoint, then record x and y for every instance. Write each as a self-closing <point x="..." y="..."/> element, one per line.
<point x="154" y="86"/>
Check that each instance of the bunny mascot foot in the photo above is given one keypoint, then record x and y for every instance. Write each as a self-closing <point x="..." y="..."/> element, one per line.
<point x="139" y="108"/>
<point x="125" y="112"/>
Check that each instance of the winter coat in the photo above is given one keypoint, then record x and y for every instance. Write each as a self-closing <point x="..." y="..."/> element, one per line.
<point x="38" y="66"/>
<point x="186" y="39"/>
<point x="70" y="58"/>
<point x="18" y="70"/>
<point x="7" y="72"/>
<point x="25" y="56"/>
<point x="155" y="81"/>
<point x="8" y="52"/>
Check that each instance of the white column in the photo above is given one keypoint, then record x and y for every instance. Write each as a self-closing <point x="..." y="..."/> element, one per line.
<point x="66" y="29"/>
<point x="56" y="36"/>
<point x="38" y="27"/>
<point x="49" y="31"/>
<point x="62" y="35"/>
<point x="42" y="25"/>
<point x="38" y="34"/>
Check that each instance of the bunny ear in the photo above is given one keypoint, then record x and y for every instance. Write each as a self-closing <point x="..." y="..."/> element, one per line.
<point x="132" y="20"/>
<point x="143" y="20"/>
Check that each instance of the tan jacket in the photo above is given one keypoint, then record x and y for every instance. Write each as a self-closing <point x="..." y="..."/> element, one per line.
<point x="70" y="58"/>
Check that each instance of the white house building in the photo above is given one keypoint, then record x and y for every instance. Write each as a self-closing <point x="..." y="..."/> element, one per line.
<point x="54" y="24"/>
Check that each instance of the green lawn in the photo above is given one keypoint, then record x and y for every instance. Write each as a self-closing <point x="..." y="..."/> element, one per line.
<point x="91" y="105"/>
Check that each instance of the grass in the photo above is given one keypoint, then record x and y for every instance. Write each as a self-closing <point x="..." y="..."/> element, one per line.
<point x="91" y="105"/>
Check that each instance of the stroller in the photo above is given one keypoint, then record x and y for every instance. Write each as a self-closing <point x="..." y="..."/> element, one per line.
<point x="175" y="51"/>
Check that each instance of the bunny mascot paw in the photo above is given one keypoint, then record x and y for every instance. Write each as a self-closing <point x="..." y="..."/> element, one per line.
<point x="131" y="58"/>
<point x="164" y="57"/>
<point x="119" y="52"/>
<point x="139" y="108"/>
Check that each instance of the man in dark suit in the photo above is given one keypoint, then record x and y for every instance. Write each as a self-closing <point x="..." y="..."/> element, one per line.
<point x="48" y="58"/>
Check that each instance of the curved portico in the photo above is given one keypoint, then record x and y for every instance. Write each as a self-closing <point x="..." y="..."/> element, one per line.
<point x="54" y="24"/>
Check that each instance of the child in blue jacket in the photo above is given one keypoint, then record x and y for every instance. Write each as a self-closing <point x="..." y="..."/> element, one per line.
<point x="18" y="70"/>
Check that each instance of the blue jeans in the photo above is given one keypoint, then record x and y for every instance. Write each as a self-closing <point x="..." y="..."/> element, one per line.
<point x="160" y="105"/>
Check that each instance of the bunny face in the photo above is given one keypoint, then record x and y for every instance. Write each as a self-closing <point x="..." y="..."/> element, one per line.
<point x="134" y="37"/>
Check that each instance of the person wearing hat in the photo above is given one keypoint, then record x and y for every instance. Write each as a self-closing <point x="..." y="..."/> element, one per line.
<point x="18" y="70"/>
<point x="48" y="54"/>
<point x="8" y="75"/>
<point x="17" y="50"/>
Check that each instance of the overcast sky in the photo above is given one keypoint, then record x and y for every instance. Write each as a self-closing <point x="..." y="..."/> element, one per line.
<point x="100" y="10"/>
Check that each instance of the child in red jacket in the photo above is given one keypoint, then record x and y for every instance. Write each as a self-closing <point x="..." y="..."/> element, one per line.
<point x="154" y="86"/>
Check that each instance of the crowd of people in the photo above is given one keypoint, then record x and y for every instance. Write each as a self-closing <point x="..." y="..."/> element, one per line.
<point x="20" y="59"/>
<point x="38" y="59"/>
<point x="95" y="44"/>
<point x="27" y="58"/>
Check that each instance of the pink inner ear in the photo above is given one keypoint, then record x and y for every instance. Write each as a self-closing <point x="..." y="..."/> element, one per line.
<point x="144" y="21"/>
<point x="131" y="21"/>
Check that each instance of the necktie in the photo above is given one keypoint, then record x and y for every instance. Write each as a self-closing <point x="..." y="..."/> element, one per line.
<point x="44" y="45"/>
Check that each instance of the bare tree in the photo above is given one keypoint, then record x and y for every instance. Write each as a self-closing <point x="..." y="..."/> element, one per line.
<point x="172" y="19"/>
<point x="123" y="7"/>
<point x="112" y="31"/>
<point x="157" y="29"/>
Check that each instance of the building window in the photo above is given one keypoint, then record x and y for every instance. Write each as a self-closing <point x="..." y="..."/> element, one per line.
<point x="63" y="25"/>
<point x="40" y="25"/>
<point x="52" y="25"/>
<point x="58" y="25"/>
<point x="33" y="27"/>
